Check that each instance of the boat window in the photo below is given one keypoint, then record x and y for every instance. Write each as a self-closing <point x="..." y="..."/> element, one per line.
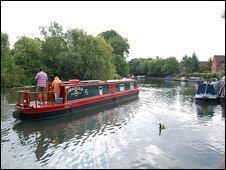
<point x="122" y="87"/>
<point x="76" y="94"/>
<point x="210" y="89"/>
<point x="86" y="91"/>
<point x="131" y="86"/>
<point x="100" y="90"/>
<point x="201" y="89"/>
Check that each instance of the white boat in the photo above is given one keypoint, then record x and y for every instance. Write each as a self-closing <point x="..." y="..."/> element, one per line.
<point x="185" y="79"/>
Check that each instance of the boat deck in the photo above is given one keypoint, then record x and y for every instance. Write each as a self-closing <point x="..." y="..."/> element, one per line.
<point x="34" y="104"/>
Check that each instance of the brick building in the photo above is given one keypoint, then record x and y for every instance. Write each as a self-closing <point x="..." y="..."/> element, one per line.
<point x="218" y="63"/>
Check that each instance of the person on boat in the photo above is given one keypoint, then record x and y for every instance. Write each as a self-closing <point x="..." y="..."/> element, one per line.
<point x="42" y="80"/>
<point x="56" y="87"/>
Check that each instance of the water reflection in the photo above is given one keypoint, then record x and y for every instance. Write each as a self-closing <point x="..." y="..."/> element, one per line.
<point x="160" y="83"/>
<point x="6" y="96"/>
<point x="52" y="133"/>
<point x="208" y="108"/>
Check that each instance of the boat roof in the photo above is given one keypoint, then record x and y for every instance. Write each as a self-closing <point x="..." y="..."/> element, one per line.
<point x="74" y="82"/>
<point x="121" y="80"/>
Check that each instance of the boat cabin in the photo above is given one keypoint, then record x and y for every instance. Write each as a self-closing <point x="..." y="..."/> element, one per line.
<point x="74" y="89"/>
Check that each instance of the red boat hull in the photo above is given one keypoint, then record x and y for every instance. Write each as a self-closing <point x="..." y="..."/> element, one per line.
<point x="78" y="107"/>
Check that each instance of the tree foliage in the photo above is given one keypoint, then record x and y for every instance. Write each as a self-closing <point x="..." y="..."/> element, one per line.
<point x="91" y="56"/>
<point x="170" y="66"/>
<point x="70" y="55"/>
<point x="154" y="67"/>
<point x="190" y="63"/>
<point x="196" y="62"/>
<point x="11" y="74"/>
<point x="120" y="49"/>
<point x="74" y="54"/>
<point x="6" y="59"/>
<point x="209" y="63"/>
<point x="27" y="55"/>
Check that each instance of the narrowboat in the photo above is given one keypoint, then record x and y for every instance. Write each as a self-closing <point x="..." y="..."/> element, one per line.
<point x="196" y="79"/>
<point x="211" y="91"/>
<point x="75" y="97"/>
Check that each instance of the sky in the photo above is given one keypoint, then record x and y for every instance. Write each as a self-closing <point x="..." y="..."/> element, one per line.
<point x="153" y="28"/>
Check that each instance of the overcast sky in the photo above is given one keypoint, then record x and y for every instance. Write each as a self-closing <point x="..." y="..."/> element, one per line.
<point x="153" y="29"/>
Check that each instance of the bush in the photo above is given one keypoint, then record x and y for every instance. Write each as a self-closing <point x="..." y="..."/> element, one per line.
<point x="206" y="75"/>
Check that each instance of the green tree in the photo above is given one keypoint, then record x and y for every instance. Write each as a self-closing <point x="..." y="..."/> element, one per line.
<point x="121" y="64"/>
<point x="184" y="59"/>
<point x="171" y="66"/>
<point x="27" y="55"/>
<point x="196" y="62"/>
<point x="158" y="63"/>
<point x="118" y="43"/>
<point x="53" y="47"/>
<point x="6" y="59"/>
<point x="133" y="66"/>
<point x="92" y="57"/>
<point x="137" y="66"/>
<point x="55" y="29"/>
<point x="144" y="66"/>
<point x="190" y="65"/>
<point x="120" y="46"/>
<point x="11" y="74"/>
<point x="209" y="63"/>
<point x="14" y="76"/>
<point x="108" y="34"/>
<point x="154" y="67"/>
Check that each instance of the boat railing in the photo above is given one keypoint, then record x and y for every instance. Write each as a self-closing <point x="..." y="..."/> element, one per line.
<point x="15" y="94"/>
<point x="25" y="95"/>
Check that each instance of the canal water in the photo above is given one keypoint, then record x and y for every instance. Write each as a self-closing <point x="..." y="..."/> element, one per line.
<point x="126" y="136"/>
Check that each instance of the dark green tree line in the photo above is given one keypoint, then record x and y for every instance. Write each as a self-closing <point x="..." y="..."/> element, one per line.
<point x="11" y="74"/>
<point x="70" y="55"/>
<point x="154" y="67"/>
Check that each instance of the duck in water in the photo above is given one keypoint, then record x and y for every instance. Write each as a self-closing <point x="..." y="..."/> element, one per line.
<point x="161" y="126"/>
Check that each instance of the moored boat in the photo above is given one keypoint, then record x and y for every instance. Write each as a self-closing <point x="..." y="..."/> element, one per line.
<point x="184" y="79"/>
<point x="75" y="98"/>
<point x="211" y="91"/>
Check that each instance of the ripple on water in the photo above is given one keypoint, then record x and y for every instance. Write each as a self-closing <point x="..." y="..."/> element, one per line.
<point x="126" y="136"/>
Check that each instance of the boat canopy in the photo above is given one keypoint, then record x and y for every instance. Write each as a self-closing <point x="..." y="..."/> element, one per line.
<point x="210" y="89"/>
<point x="201" y="88"/>
<point x="206" y="88"/>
